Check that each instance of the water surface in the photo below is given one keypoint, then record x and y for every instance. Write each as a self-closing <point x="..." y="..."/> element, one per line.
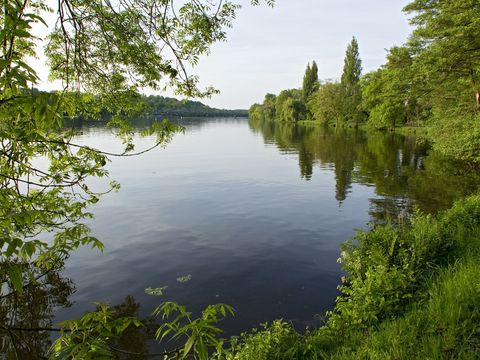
<point x="254" y="212"/>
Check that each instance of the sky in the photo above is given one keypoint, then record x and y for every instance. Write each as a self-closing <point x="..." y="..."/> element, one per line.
<point x="268" y="49"/>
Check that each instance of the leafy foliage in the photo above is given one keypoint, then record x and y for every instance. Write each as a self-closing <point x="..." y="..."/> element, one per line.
<point x="433" y="79"/>
<point x="99" y="333"/>
<point x="288" y="106"/>
<point x="391" y="95"/>
<point x="96" y="44"/>
<point x="87" y="338"/>
<point x="446" y="53"/>
<point x="272" y="341"/>
<point x="352" y="68"/>
<point x="328" y="103"/>
<point x="200" y="334"/>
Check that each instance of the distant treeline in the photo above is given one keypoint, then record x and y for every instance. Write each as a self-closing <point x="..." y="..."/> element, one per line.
<point x="165" y="106"/>
<point x="432" y="81"/>
<point x="88" y="106"/>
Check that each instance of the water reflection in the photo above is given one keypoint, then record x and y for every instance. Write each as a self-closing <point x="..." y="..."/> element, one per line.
<point x="33" y="309"/>
<point x="26" y="319"/>
<point x="402" y="170"/>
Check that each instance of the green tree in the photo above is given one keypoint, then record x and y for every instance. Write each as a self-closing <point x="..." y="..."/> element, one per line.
<point x="447" y="64"/>
<point x="352" y="71"/>
<point x="265" y="111"/>
<point x="269" y="106"/>
<point x="256" y="114"/>
<point x="310" y="81"/>
<point x="328" y="104"/>
<point x="446" y="38"/>
<point x="391" y="96"/>
<point x="294" y="109"/>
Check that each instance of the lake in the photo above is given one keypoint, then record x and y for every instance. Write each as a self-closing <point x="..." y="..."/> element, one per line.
<point x="251" y="214"/>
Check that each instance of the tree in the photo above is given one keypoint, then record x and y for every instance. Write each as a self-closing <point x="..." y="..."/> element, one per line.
<point x="295" y="104"/>
<point x="352" y="68"/>
<point x="447" y="42"/>
<point x="109" y="50"/>
<point x="328" y="104"/>
<point x="447" y="64"/>
<point x="310" y="81"/>
<point x="269" y="106"/>
<point x="352" y="71"/>
<point x="391" y="95"/>
<point x="292" y="110"/>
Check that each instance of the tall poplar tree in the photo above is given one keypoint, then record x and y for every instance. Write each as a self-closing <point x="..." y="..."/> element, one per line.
<point x="352" y="71"/>
<point x="310" y="81"/>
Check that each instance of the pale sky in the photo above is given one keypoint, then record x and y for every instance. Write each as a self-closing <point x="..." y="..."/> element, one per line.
<point x="268" y="49"/>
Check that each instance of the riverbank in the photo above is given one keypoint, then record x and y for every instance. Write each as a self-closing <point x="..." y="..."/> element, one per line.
<point x="405" y="130"/>
<point x="412" y="292"/>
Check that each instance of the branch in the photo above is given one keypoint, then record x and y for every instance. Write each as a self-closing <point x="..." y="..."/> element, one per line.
<point x="166" y="353"/>
<point x="100" y="151"/>
<point x="51" y="185"/>
<point x="33" y="329"/>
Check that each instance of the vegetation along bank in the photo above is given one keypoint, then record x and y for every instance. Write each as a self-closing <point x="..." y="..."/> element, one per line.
<point x="432" y="82"/>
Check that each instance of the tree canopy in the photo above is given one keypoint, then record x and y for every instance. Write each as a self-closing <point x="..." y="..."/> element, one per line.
<point x="447" y="43"/>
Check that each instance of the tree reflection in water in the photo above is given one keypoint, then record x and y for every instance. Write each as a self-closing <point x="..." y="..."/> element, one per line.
<point x="404" y="173"/>
<point x="27" y="329"/>
<point x="32" y="309"/>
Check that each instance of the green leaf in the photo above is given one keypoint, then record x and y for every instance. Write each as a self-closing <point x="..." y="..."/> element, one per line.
<point x="185" y="278"/>
<point x="188" y="345"/>
<point x="15" y="275"/>
<point x="155" y="291"/>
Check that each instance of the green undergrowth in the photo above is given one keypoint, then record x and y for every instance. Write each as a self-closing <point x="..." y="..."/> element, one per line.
<point x="414" y="130"/>
<point x="412" y="292"/>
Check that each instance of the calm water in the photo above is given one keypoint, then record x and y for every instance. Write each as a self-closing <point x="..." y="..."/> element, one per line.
<point x="254" y="212"/>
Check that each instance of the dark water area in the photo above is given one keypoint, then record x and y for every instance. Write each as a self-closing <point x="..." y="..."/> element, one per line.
<point x="254" y="213"/>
